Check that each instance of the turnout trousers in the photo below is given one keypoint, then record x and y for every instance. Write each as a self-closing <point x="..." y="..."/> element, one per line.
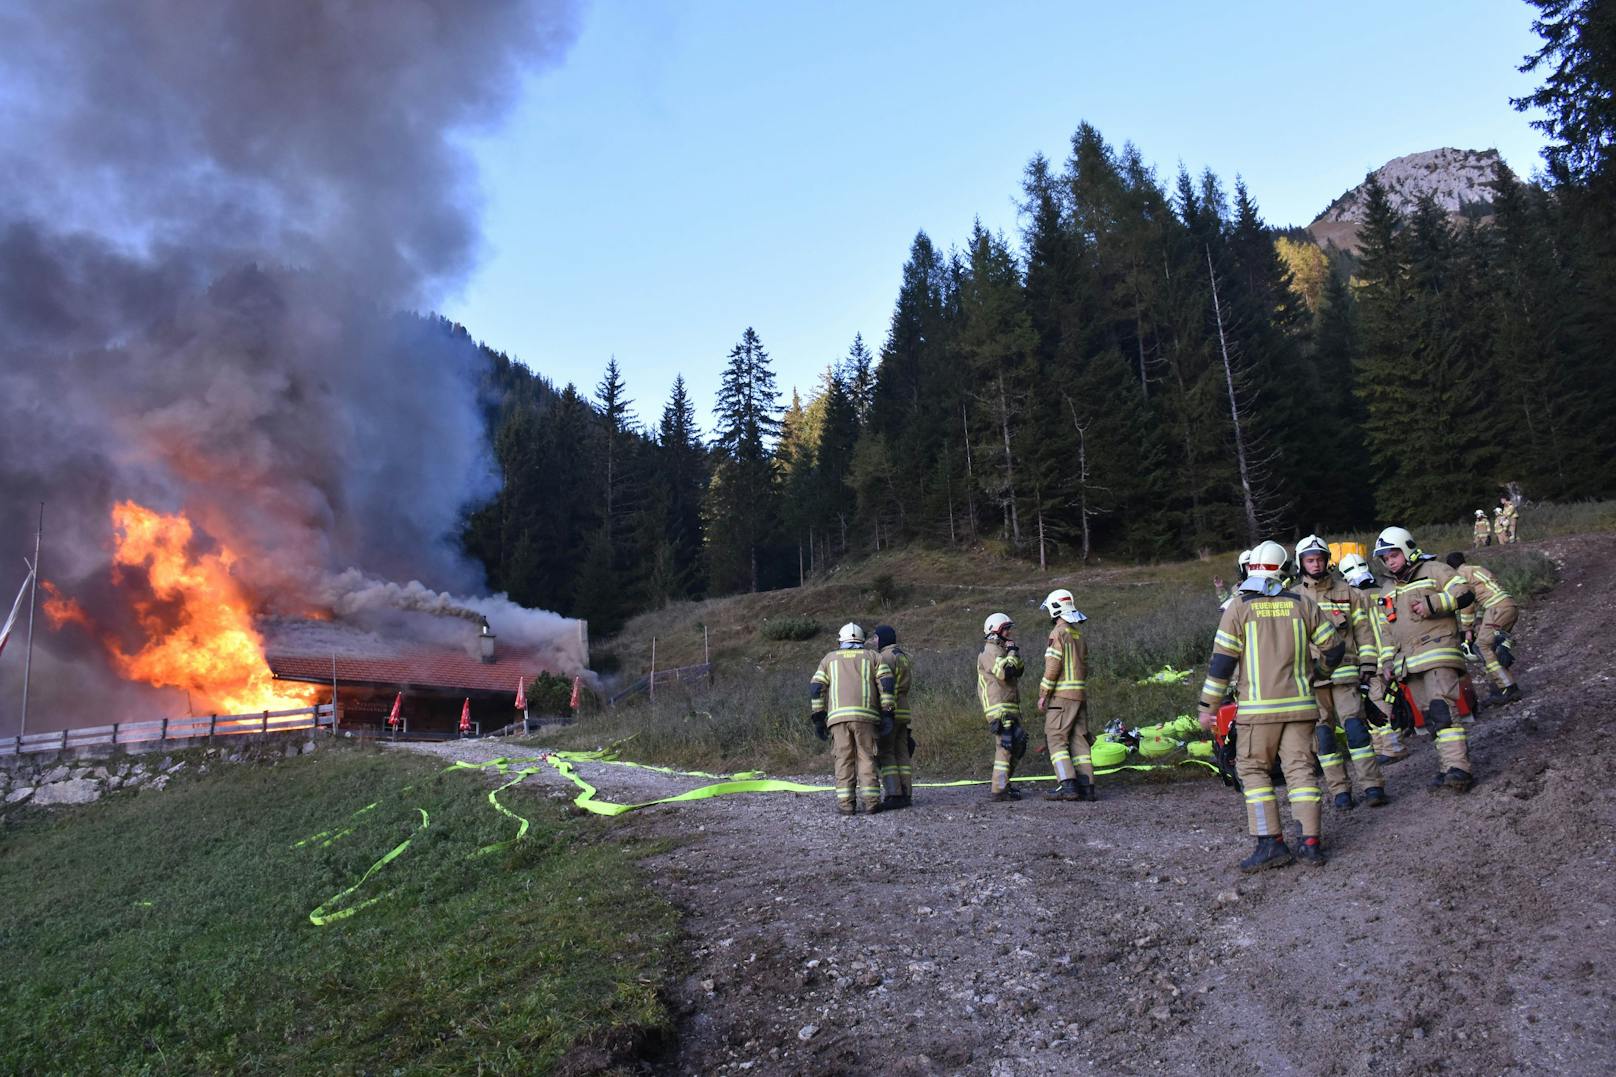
<point x="853" y="745"/>
<point x="1342" y="705"/>
<point x="1065" y="730"/>
<point x="1256" y="747"/>
<point x="1436" y="694"/>
<point x="1493" y="623"/>
<point x="893" y="761"/>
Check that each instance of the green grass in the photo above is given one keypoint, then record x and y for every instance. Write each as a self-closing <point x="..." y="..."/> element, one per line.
<point x="169" y="933"/>
<point x="755" y="712"/>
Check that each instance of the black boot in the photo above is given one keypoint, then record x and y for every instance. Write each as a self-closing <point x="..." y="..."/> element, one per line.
<point x="1270" y="853"/>
<point x="1458" y="780"/>
<point x="1065" y="789"/>
<point x="1344" y="802"/>
<point x="1376" y="797"/>
<point x="903" y="800"/>
<point x="1498" y="698"/>
<point x="1086" y="789"/>
<point x="1311" y="852"/>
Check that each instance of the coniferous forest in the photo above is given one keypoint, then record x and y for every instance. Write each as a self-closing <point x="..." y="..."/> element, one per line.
<point x="1146" y="370"/>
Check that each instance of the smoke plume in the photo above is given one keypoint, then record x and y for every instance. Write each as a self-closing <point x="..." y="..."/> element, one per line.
<point x="217" y="215"/>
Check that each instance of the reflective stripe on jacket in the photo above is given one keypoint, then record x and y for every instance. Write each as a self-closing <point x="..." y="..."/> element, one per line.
<point x="998" y="673"/>
<point x="1268" y="633"/>
<point x="1353" y="617"/>
<point x="1490" y="595"/>
<point x="902" y="667"/>
<point x="851" y="685"/>
<point x="1066" y="659"/>
<point x="1432" y="643"/>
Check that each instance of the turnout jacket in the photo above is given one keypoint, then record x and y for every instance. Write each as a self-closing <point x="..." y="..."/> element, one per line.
<point x="902" y="667"/>
<point x="998" y="677"/>
<point x="1267" y="634"/>
<point x="1353" y="615"/>
<point x="1433" y="643"/>
<point x="1482" y="531"/>
<point x="1066" y="660"/>
<point x="1490" y="596"/>
<point x="851" y="685"/>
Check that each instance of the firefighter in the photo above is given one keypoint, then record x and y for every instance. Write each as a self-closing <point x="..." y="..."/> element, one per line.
<point x="1225" y="592"/>
<point x="894" y="753"/>
<point x="1062" y="695"/>
<point x="1498" y="615"/>
<point x="1340" y="693"/>
<point x="851" y="699"/>
<point x="1422" y="612"/>
<point x="998" y="673"/>
<point x="1383" y="735"/>
<point x="1508" y="516"/>
<point x="1482" y="534"/>
<point x="1267" y="632"/>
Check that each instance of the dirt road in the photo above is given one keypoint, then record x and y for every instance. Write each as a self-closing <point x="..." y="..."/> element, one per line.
<point x="1448" y="934"/>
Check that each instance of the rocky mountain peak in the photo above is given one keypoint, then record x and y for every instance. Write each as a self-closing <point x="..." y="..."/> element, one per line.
<point x="1457" y="179"/>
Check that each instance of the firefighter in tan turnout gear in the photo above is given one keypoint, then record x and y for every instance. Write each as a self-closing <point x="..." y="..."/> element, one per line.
<point x="1482" y="533"/>
<point x="1498" y="614"/>
<point x="998" y="677"/>
<point x="851" y="699"/>
<point x="1267" y="633"/>
<point x="1062" y="695"/>
<point x="1340" y="692"/>
<point x="894" y="754"/>
<point x="1387" y="740"/>
<point x="1422" y="612"/>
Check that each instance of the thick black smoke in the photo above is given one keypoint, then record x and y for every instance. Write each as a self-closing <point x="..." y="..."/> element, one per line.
<point x="214" y="215"/>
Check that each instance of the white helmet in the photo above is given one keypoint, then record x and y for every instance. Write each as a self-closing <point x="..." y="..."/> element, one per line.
<point x="1267" y="560"/>
<point x="1243" y="560"/>
<point x="1355" y="569"/>
<point x="996" y="624"/>
<point x="1499" y="511"/>
<point x="1396" y="538"/>
<point x="1313" y="544"/>
<point x="851" y="635"/>
<point x="1481" y="514"/>
<point x="1061" y="604"/>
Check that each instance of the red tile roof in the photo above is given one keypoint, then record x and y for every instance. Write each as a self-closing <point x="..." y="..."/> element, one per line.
<point x="416" y="669"/>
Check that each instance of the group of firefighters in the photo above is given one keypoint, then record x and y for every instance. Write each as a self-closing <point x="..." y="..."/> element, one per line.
<point x="1501" y="530"/>
<point x="1306" y="648"/>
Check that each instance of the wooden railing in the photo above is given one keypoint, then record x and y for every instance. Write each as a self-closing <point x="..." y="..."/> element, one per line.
<point x="165" y="729"/>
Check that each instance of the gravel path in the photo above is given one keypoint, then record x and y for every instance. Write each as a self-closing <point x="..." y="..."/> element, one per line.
<point x="1448" y="934"/>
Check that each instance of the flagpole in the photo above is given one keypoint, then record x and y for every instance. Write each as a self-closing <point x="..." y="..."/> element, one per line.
<point x="28" y="655"/>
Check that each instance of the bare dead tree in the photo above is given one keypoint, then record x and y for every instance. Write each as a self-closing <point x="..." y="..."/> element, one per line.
<point x="1249" y="502"/>
<point x="1084" y="511"/>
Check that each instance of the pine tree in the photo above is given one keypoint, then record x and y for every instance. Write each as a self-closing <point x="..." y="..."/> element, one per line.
<point x="858" y="374"/>
<point x="741" y="499"/>
<point x="681" y="477"/>
<point x="616" y="421"/>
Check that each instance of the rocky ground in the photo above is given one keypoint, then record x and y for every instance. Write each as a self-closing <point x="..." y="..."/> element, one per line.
<point x="1463" y="934"/>
<point x="50" y="781"/>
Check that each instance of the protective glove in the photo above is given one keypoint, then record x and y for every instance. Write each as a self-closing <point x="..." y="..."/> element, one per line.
<point x="885" y="729"/>
<point x="910" y="737"/>
<point x="821" y="730"/>
<point x="1007" y="733"/>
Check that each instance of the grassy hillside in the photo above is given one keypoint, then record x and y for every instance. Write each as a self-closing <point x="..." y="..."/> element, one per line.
<point x="1141" y="618"/>
<point x="169" y="932"/>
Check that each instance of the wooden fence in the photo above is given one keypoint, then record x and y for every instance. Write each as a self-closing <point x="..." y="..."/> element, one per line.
<point x="165" y="729"/>
<point x="679" y="675"/>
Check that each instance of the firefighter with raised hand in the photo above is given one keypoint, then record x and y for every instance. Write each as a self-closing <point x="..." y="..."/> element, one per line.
<point x="851" y="698"/>
<point x="1062" y="695"/>
<point x="998" y="677"/>
<point x="1482" y="534"/>
<point x="1422" y="624"/>
<point x="1224" y="592"/>
<point x="1267" y="633"/>
<point x="1498" y="614"/>
<point x="895" y="752"/>
<point x="1509" y="514"/>
<point x="1340" y="692"/>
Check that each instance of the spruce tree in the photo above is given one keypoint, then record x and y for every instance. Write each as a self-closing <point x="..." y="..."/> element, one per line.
<point x="741" y="500"/>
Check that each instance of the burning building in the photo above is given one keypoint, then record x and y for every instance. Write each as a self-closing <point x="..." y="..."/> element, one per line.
<point x="220" y="216"/>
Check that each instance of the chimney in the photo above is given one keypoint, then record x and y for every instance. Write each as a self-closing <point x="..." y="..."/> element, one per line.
<point x="485" y="640"/>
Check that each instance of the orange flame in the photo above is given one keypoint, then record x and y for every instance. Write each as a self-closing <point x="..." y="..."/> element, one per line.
<point x="209" y="648"/>
<point x="61" y="610"/>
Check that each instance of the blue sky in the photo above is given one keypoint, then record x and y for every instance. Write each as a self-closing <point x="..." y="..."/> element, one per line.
<point x="692" y="169"/>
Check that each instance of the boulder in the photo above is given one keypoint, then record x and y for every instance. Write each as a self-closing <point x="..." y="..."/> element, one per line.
<point x="16" y="796"/>
<point x="55" y="774"/>
<point x="77" y="791"/>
